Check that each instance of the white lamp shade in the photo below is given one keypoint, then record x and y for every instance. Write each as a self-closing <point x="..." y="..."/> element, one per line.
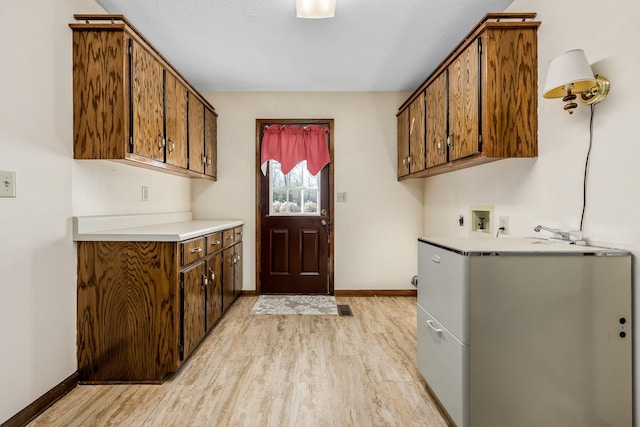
<point x="314" y="9"/>
<point x="570" y="67"/>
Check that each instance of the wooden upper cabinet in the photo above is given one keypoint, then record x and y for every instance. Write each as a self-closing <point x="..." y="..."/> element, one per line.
<point x="210" y="143"/>
<point x="464" y="99"/>
<point x="100" y="107"/>
<point x="176" y="120"/>
<point x="196" y="134"/>
<point x="403" y="143"/>
<point x="131" y="105"/>
<point x="148" y="104"/>
<point x="417" y="147"/>
<point x="482" y="100"/>
<point x="436" y="121"/>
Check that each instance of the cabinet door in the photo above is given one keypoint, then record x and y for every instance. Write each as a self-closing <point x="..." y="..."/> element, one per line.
<point x="464" y="99"/>
<point x="196" y="134"/>
<point x="193" y="307"/>
<point x="403" y="143"/>
<point x="176" y="121"/>
<point x="210" y="142"/>
<point x="436" y="118"/>
<point x="147" y="104"/>
<point x="214" y="290"/>
<point x="227" y="278"/>
<point x="416" y="135"/>
<point x="237" y="270"/>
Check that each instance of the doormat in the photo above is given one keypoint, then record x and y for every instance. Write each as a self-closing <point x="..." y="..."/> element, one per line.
<point x="319" y="305"/>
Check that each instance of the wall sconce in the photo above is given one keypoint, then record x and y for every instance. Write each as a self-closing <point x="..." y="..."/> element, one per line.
<point x="569" y="75"/>
<point x="315" y="9"/>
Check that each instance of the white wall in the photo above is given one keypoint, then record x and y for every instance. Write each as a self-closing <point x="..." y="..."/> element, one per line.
<point x="375" y="230"/>
<point x="548" y="190"/>
<point x="37" y="254"/>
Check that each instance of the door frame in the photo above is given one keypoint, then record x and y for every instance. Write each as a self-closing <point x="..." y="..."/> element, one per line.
<point x="258" y="172"/>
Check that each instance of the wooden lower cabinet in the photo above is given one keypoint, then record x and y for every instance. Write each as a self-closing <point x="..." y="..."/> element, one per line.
<point x="232" y="269"/>
<point x="144" y="307"/>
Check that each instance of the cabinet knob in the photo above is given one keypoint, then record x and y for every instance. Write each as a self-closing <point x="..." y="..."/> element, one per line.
<point x="450" y="142"/>
<point x="208" y="161"/>
<point x="215" y="242"/>
<point x="203" y="159"/>
<point x="205" y="281"/>
<point x="213" y="275"/>
<point x="172" y="146"/>
<point x="196" y="250"/>
<point x="161" y="142"/>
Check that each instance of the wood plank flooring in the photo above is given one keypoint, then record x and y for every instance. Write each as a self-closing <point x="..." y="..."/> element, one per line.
<point x="278" y="371"/>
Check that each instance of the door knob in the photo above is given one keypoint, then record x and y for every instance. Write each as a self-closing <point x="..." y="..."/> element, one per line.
<point x="324" y="222"/>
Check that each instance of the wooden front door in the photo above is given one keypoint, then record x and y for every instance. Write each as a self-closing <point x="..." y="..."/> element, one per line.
<point x="295" y="230"/>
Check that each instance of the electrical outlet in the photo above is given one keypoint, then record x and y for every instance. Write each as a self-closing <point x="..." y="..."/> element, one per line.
<point x="145" y="193"/>
<point x="503" y="224"/>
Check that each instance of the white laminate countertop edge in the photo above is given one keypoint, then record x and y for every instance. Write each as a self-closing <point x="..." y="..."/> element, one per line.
<point x="516" y="245"/>
<point x="173" y="227"/>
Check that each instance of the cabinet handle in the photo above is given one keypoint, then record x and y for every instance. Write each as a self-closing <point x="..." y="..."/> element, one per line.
<point x="430" y="323"/>
<point x="196" y="250"/>
<point x="161" y="142"/>
<point x="450" y="141"/>
<point x="230" y="237"/>
<point x="205" y="281"/>
<point x="172" y="146"/>
<point x="213" y="275"/>
<point x="208" y="161"/>
<point x="215" y="242"/>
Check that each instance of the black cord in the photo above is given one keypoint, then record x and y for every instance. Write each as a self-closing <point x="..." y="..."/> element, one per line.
<point x="586" y="169"/>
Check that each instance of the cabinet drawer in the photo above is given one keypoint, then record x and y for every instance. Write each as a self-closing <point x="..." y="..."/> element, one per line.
<point x="191" y="250"/>
<point x="443" y="287"/>
<point x="237" y="233"/>
<point x="214" y="243"/>
<point x="443" y="361"/>
<point x="228" y="237"/>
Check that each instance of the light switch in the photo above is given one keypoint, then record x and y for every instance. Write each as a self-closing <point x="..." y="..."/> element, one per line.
<point x="7" y="184"/>
<point x="342" y="197"/>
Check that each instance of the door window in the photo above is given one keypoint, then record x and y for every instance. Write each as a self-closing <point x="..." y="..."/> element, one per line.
<point x="295" y="193"/>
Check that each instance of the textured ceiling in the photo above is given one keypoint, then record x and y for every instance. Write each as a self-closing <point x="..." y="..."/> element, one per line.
<point x="260" y="45"/>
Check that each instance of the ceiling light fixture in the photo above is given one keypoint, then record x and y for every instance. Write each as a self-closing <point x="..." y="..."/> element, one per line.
<point x="315" y="9"/>
<point x="570" y="74"/>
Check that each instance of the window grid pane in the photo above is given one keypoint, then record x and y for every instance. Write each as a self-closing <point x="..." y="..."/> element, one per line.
<point x="296" y="193"/>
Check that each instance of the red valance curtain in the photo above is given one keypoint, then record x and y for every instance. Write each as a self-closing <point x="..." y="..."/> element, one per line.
<point x="291" y="144"/>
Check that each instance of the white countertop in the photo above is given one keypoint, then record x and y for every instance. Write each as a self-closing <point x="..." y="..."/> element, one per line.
<point x="515" y="245"/>
<point x="171" y="227"/>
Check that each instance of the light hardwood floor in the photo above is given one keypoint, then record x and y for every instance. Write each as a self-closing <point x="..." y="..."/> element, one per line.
<point x="278" y="371"/>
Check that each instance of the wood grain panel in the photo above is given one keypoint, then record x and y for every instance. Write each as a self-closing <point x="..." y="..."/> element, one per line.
<point x="309" y="251"/>
<point x="464" y="98"/>
<point x="403" y="143"/>
<point x="210" y="142"/>
<point x="417" y="146"/>
<point x="127" y="325"/>
<point x="214" y="290"/>
<point x="279" y="249"/>
<point x="176" y="121"/>
<point x="148" y="100"/>
<point x="436" y="121"/>
<point x="196" y="134"/>
<point x="193" y="306"/>
<point x="510" y="121"/>
<point x="99" y="125"/>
